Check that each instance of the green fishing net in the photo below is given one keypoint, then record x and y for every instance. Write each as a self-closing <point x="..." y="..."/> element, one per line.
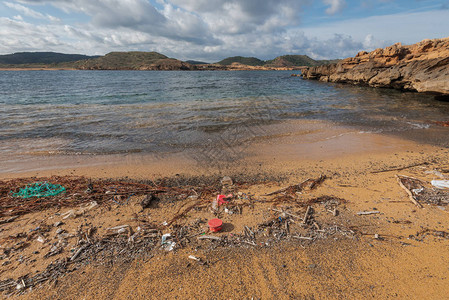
<point x="40" y="189"/>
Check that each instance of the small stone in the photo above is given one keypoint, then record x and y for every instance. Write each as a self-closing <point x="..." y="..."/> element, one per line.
<point x="376" y="236"/>
<point x="148" y="200"/>
<point x="58" y="224"/>
<point x="226" y="180"/>
<point x="36" y="252"/>
<point x="40" y="239"/>
<point x="59" y="231"/>
<point x="312" y="266"/>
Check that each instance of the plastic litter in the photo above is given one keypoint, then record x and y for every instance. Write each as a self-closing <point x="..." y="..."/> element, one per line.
<point x="39" y="189"/>
<point x="166" y="244"/>
<point x="76" y="213"/>
<point x="440" y="184"/>
<point x="215" y="225"/>
<point x="221" y="199"/>
<point x="194" y="257"/>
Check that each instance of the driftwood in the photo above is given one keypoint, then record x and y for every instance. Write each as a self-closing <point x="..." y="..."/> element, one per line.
<point x="287" y="213"/>
<point x="400" y="168"/>
<point x="306" y="215"/>
<point x="78" y="252"/>
<point x="208" y="237"/>
<point x="303" y="238"/>
<point x="365" y="213"/>
<point x="250" y="243"/>
<point x="308" y="184"/>
<point x="409" y="193"/>
<point x="9" y="220"/>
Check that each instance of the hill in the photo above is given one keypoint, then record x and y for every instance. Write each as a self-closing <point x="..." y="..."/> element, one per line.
<point x="249" y="61"/>
<point x="296" y="61"/>
<point x="40" y="58"/>
<point x="139" y="60"/>
<point x="291" y="60"/>
<point x="284" y="61"/>
<point x="135" y="60"/>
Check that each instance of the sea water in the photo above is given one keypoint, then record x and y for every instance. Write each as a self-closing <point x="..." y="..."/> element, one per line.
<point x="110" y="112"/>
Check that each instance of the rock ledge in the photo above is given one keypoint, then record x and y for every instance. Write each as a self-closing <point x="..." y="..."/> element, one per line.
<point x="422" y="67"/>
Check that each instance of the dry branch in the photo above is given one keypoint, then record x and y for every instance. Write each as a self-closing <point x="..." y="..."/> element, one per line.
<point x="409" y="193"/>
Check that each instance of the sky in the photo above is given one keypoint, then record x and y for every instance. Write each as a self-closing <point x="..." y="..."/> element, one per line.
<point x="210" y="30"/>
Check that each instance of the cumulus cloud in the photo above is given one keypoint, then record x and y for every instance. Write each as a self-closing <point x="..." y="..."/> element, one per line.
<point x="137" y="15"/>
<point x="239" y="17"/>
<point x="206" y="30"/>
<point x="17" y="35"/>
<point x="335" y="6"/>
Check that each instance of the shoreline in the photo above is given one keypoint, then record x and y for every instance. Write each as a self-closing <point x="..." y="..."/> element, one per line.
<point x="289" y="144"/>
<point x="247" y="68"/>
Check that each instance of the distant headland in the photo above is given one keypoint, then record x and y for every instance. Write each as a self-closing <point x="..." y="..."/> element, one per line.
<point x="138" y="60"/>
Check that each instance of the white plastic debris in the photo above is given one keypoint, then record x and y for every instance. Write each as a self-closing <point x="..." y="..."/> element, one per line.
<point x="170" y="246"/>
<point x="76" y="213"/>
<point x="417" y="191"/>
<point x="68" y="214"/>
<point x="440" y="184"/>
<point x="122" y="230"/>
<point x="118" y="227"/>
<point x="166" y="244"/>
<point x="40" y="239"/>
<point x="165" y="237"/>
<point x="194" y="258"/>
<point x="435" y="172"/>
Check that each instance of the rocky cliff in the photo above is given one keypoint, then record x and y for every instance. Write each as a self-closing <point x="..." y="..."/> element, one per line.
<point x="422" y="67"/>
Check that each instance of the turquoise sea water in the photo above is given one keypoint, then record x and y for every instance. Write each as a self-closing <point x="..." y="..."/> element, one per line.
<point x="101" y="112"/>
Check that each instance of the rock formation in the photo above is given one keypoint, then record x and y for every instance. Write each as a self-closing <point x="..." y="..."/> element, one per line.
<point x="422" y="67"/>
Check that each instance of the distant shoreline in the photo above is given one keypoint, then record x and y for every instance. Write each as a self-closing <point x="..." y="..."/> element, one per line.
<point x="249" y="68"/>
<point x="37" y="69"/>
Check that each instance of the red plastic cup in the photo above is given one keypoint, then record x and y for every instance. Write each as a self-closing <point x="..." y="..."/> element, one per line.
<point x="215" y="225"/>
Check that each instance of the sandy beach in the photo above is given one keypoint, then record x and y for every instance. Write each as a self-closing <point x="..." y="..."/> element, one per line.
<point x="398" y="250"/>
<point x="224" y="149"/>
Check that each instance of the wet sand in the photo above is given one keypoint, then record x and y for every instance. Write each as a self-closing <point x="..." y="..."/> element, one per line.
<point x="401" y="264"/>
<point x="280" y="148"/>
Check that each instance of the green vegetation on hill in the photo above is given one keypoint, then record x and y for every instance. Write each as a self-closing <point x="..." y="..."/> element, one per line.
<point x="278" y="62"/>
<point x="138" y="60"/>
<point x="40" y="58"/>
<point x="122" y="61"/>
<point x="292" y="60"/>
<point x="196" y="62"/>
<point x="249" y="61"/>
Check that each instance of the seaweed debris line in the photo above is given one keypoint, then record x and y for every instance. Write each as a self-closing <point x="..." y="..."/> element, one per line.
<point x="104" y="222"/>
